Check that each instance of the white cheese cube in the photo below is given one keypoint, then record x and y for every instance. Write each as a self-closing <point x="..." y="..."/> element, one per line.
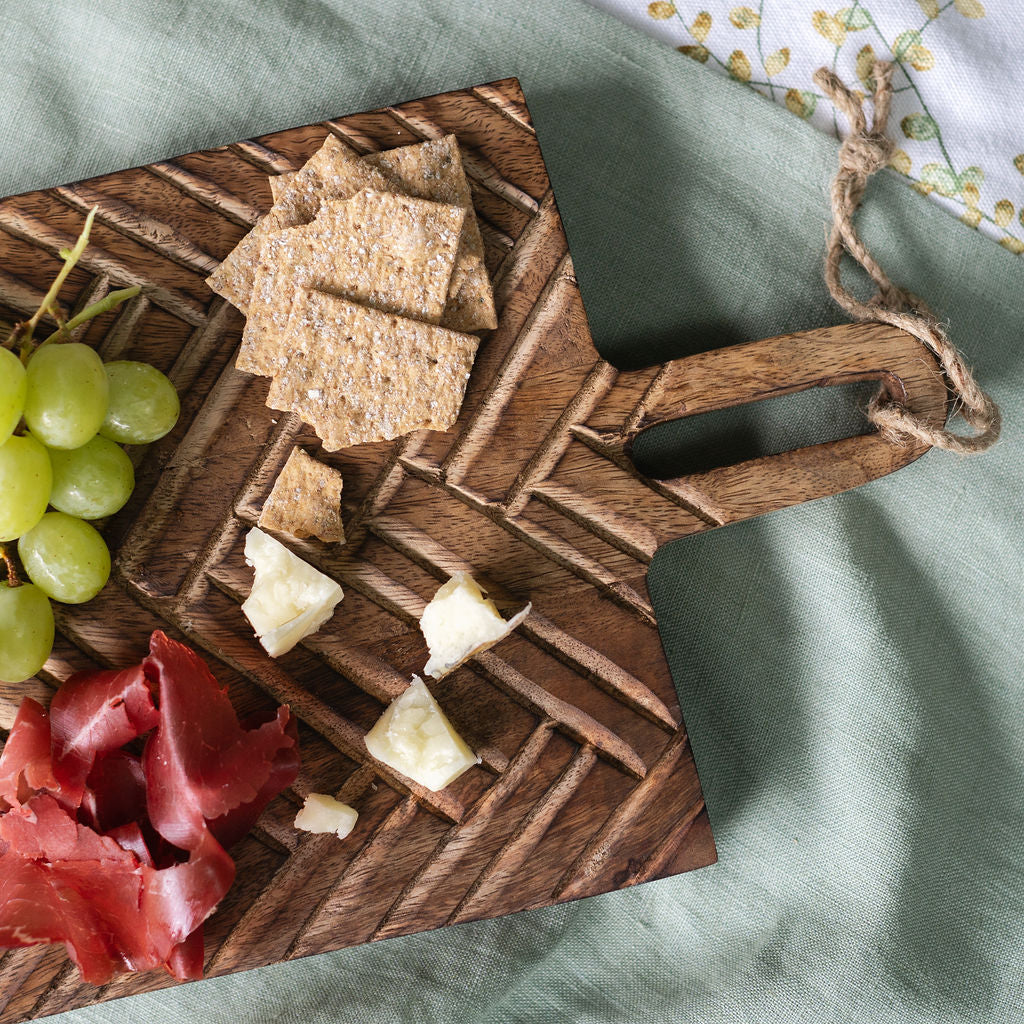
<point x="322" y="813"/>
<point x="414" y="737"/>
<point x="460" y="622"/>
<point x="289" y="598"/>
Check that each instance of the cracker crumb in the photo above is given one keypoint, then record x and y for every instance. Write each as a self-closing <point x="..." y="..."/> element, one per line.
<point x="305" y="500"/>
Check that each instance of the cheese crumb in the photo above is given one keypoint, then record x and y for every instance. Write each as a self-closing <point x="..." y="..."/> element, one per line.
<point x="460" y="622"/>
<point x="289" y="598"/>
<point x="322" y="813"/>
<point x="414" y="737"/>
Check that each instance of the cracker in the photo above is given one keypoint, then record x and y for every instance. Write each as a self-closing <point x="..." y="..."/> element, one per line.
<point x="390" y="252"/>
<point x="305" y="500"/>
<point x="279" y="184"/>
<point x="234" y="277"/>
<point x="472" y="307"/>
<point x="428" y="170"/>
<point x="357" y="375"/>
<point x="433" y="170"/>
<point x="332" y="172"/>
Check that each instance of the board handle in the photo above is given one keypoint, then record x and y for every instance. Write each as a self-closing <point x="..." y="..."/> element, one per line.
<point x="906" y="371"/>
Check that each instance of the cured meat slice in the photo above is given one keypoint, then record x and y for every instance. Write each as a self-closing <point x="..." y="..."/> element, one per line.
<point x="94" y="712"/>
<point x="63" y="882"/>
<point x="80" y="860"/>
<point x="94" y="908"/>
<point x="129" y="837"/>
<point x="115" y="793"/>
<point x="229" y="828"/>
<point x="42" y="903"/>
<point x="25" y="765"/>
<point x="186" y="959"/>
<point x="42" y="830"/>
<point x="200" y="763"/>
<point x="177" y="900"/>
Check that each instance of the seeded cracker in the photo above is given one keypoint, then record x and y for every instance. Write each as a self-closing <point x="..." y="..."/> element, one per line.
<point x="428" y="170"/>
<point x="358" y="375"/>
<point x="306" y="500"/>
<point x="279" y="184"/>
<point x="332" y="172"/>
<point x="433" y="170"/>
<point x="389" y="252"/>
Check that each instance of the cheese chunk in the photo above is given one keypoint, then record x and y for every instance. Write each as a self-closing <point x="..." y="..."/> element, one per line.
<point x="322" y="813"/>
<point x="460" y="622"/>
<point x="289" y="599"/>
<point x="414" y="737"/>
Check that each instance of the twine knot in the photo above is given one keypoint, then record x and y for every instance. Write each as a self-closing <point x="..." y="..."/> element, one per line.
<point x="863" y="152"/>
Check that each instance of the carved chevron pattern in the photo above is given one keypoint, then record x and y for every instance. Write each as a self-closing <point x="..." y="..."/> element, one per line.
<point x="587" y="782"/>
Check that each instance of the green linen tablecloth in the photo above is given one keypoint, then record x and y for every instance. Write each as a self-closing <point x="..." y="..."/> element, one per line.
<point x="850" y="671"/>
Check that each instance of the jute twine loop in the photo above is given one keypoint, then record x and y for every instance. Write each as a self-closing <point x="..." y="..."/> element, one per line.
<point x="862" y="153"/>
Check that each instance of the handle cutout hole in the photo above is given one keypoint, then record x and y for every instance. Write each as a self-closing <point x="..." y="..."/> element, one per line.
<point x="696" y="444"/>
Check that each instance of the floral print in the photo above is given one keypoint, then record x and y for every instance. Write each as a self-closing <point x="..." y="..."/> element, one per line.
<point x="958" y="115"/>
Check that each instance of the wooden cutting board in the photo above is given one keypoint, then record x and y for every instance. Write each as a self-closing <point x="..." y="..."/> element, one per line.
<point x="587" y="782"/>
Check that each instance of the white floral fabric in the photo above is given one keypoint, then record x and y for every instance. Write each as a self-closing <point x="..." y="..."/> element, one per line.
<point x="958" y="108"/>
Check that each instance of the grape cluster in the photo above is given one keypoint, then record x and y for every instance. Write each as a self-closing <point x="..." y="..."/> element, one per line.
<point x="77" y="412"/>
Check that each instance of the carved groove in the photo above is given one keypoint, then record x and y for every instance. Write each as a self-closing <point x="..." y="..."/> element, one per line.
<point x="493" y="238"/>
<point x="589" y="663"/>
<point x="615" y="828"/>
<point x="55" y="995"/>
<point x="352" y="137"/>
<point x="295" y="874"/>
<point x="16" y="967"/>
<point x="538" y="237"/>
<point x="206" y="191"/>
<point x="263" y="157"/>
<point x="130" y="318"/>
<point x="602" y="671"/>
<point x="388" y="481"/>
<point x="381" y="843"/>
<point x="515" y="111"/>
<point x="407" y="605"/>
<point x="575" y="723"/>
<point x="548" y="544"/>
<point x="616" y="529"/>
<point x="506" y="380"/>
<point x="24" y="298"/>
<point x="513" y="854"/>
<point x="659" y="860"/>
<point x="438" y="867"/>
<point x="31" y="229"/>
<point x="138" y="225"/>
<point x="543" y="462"/>
<point x="94" y="291"/>
<point x="687" y="497"/>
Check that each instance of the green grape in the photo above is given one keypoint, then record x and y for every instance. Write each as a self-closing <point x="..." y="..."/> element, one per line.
<point x="25" y="480"/>
<point x="67" y="395"/>
<point x="92" y="481"/>
<point x="26" y="632"/>
<point x="12" y="392"/>
<point x="65" y="558"/>
<point x="143" y="403"/>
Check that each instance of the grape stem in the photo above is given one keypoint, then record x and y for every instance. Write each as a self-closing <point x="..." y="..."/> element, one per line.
<point x="20" y="335"/>
<point x="13" y="579"/>
<point x="104" y="305"/>
<point x="71" y="257"/>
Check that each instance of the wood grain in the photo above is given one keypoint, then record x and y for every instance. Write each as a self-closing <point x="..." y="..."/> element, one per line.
<point x="587" y="782"/>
